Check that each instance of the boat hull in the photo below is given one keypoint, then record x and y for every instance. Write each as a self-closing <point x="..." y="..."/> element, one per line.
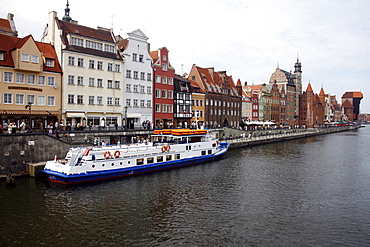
<point x="61" y="178"/>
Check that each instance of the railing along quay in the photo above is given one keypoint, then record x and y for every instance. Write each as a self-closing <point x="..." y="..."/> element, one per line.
<point x="271" y="137"/>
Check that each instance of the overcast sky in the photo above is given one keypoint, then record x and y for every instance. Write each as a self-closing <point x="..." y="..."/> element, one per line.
<point x="247" y="38"/>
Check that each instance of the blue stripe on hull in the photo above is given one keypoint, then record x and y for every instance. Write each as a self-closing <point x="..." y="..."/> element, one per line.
<point x="61" y="178"/>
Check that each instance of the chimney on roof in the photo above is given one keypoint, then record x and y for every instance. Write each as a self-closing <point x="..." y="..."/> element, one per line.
<point x="245" y="83"/>
<point x="12" y="24"/>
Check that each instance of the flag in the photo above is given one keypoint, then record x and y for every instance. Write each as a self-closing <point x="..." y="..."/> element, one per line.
<point x="56" y="159"/>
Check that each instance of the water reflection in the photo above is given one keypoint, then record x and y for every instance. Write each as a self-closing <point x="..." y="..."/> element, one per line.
<point x="310" y="191"/>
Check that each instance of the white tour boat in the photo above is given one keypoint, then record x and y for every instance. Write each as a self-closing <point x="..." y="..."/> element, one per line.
<point x="167" y="149"/>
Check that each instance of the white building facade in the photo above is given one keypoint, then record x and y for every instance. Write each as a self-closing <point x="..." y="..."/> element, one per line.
<point x="92" y="72"/>
<point x="137" y="79"/>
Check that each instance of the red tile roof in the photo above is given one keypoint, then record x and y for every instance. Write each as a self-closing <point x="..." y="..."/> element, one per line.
<point x="9" y="43"/>
<point x="309" y="88"/>
<point x="352" y="95"/>
<point x="5" y="26"/>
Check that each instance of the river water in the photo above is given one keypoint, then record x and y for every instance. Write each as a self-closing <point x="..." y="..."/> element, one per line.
<point x="307" y="192"/>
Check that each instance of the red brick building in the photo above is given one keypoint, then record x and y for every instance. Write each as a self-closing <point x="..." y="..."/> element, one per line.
<point x="311" y="110"/>
<point x="163" y="97"/>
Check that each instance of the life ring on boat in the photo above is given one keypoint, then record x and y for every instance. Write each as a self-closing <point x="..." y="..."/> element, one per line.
<point x="166" y="148"/>
<point x="217" y="143"/>
<point x="107" y="154"/>
<point x="117" y="154"/>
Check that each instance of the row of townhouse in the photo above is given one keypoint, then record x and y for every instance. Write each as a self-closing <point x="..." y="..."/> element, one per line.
<point x="79" y="74"/>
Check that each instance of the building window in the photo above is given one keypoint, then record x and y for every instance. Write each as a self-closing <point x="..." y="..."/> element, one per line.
<point x="80" y="99"/>
<point x="134" y="57"/>
<point x="71" y="61"/>
<point x="128" y="73"/>
<point x="170" y="81"/>
<point x="51" y="80"/>
<point x="41" y="80"/>
<point x="128" y="87"/>
<point x="116" y="101"/>
<point x="99" y="100"/>
<point x="164" y="108"/>
<point x="135" y="103"/>
<point x="80" y="62"/>
<point x="142" y="75"/>
<point x="170" y="94"/>
<point x="141" y="58"/>
<point x="94" y="45"/>
<point x="164" y="93"/>
<point x="8" y="98"/>
<point x="71" y="79"/>
<point x="31" y="79"/>
<point x="91" y="100"/>
<point x="19" y="99"/>
<point x="51" y="101"/>
<point x="25" y="57"/>
<point x="19" y="78"/>
<point x="2" y="57"/>
<point x="109" y="101"/>
<point x="142" y="103"/>
<point x="136" y="75"/>
<point x="71" y="99"/>
<point x="110" y="66"/>
<point x="100" y="65"/>
<point x="91" y="64"/>
<point x="164" y="67"/>
<point x="149" y="77"/>
<point x="118" y="67"/>
<point x="80" y="80"/>
<point x="149" y="103"/>
<point x="40" y="100"/>
<point x="157" y="108"/>
<point x="31" y="98"/>
<point x="136" y="88"/>
<point x="149" y="90"/>
<point x="142" y="89"/>
<point x="157" y="93"/>
<point x="157" y="79"/>
<point x="49" y="63"/>
<point x="92" y="82"/>
<point x="99" y="83"/>
<point x="164" y="80"/>
<point x="164" y="58"/>
<point x="77" y="41"/>
<point x="110" y="84"/>
<point x="117" y="85"/>
<point x="8" y="76"/>
<point x="109" y="48"/>
<point x="128" y="102"/>
<point x="35" y="59"/>
<point x="170" y="108"/>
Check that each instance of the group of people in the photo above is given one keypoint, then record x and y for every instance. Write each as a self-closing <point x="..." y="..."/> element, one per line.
<point x="11" y="128"/>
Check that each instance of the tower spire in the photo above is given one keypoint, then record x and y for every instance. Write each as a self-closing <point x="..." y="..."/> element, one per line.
<point x="298" y="66"/>
<point x="66" y="16"/>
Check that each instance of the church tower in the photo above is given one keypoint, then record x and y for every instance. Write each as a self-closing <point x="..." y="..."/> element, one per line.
<point x="66" y="16"/>
<point x="298" y="73"/>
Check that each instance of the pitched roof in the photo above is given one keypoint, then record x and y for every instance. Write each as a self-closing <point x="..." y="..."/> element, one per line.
<point x="309" y="88"/>
<point x="322" y="93"/>
<point x="154" y="55"/>
<point x="9" y="43"/>
<point x="100" y="34"/>
<point x="352" y="95"/>
<point x="5" y="26"/>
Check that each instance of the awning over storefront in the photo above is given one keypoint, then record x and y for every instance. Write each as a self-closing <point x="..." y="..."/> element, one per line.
<point x="133" y="115"/>
<point x="27" y="112"/>
<point x="75" y="114"/>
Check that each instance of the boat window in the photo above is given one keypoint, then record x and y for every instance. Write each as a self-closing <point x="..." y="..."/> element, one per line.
<point x="112" y="164"/>
<point x="210" y="151"/>
<point x="177" y="156"/>
<point x="189" y="147"/>
<point x="103" y="165"/>
<point x="204" y="152"/>
<point x="159" y="158"/>
<point x="120" y="163"/>
<point x="213" y="144"/>
<point x="150" y="160"/>
<point x="139" y="162"/>
<point x="168" y="157"/>
<point x="129" y="162"/>
<point x="93" y="166"/>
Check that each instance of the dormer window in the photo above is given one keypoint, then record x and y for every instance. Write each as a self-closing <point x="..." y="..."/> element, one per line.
<point x="77" y="42"/>
<point x="35" y="59"/>
<point x="49" y="63"/>
<point x="25" y="57"/>
<point x="2" y="56"/>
